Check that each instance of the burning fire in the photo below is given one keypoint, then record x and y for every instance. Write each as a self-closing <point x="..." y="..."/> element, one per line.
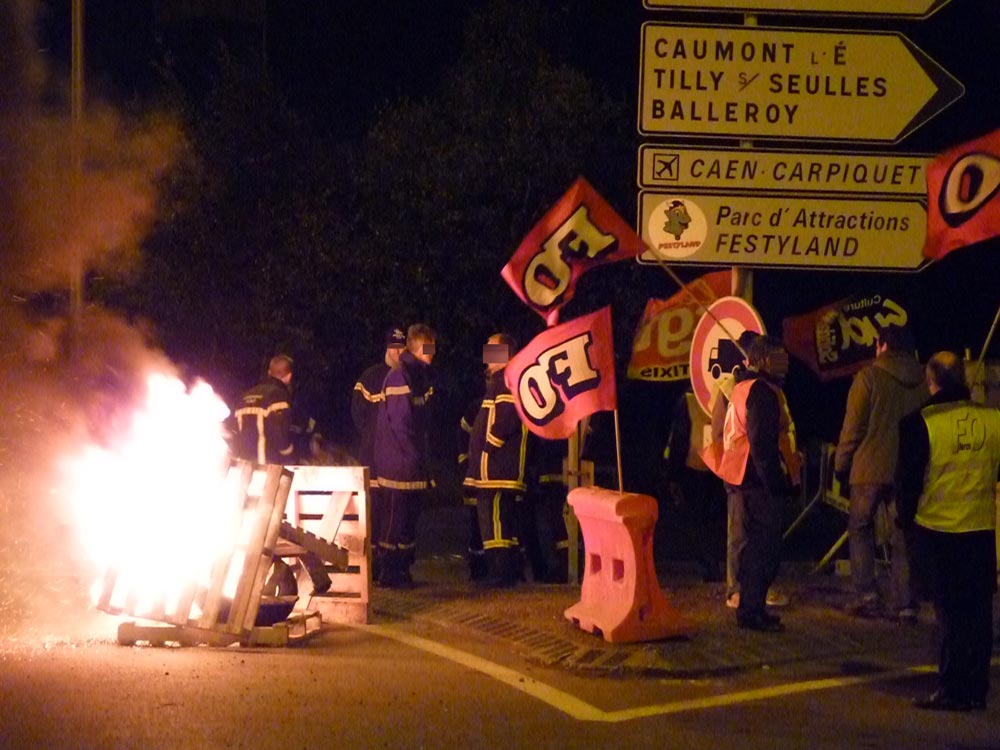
<point x="151" y="506"/>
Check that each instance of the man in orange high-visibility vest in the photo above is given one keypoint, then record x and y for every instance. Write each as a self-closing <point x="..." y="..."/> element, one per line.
<point x="753" y="465"/>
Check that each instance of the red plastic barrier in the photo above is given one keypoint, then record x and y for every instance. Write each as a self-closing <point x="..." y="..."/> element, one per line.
<point x="620" y="597"/>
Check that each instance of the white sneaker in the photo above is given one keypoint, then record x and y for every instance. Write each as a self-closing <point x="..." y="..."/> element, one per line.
<point x="733" y="600"/>
<point x="775" y="598"/>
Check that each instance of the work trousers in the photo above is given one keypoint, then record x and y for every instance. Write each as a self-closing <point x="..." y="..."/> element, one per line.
<point x="394" y="515"/>
<point x="758" y="564"/>
<point x="499" y="521"/>
<point x="736" y="538"/>
<point x="702" y="508"/>
<point x="962" y="580"/>
<point x="545" y="534"/>
<point x="865" y="502"/>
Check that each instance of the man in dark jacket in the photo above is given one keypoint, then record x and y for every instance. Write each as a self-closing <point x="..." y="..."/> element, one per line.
<point x="401" y="464"/>
<point x="368" y="393"/>
<point x="881" y="394"/>
<point x="497" y="469"/>
<point x="949" y="459"/>
<point x="263" y="416"/>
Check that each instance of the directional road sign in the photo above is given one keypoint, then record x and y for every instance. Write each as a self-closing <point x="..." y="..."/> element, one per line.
<point x="834" y="233"/>
<point x="759" y="82"/>
<point x="912" y="8"/>
<point x="776" y="171"/>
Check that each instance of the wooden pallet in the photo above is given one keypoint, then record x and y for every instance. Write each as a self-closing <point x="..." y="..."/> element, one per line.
<point x="222" y="607"/>
<point x="327" y="516"/>
<point x="295" y="630"/>
<point x="333" y="504"/>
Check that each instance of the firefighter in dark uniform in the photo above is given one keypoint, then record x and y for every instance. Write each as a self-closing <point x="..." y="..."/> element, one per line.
<point x="365" y="402"/>
<point x="547" y="495"/>
<point x="368" y="393"/>
<point x="263" y="416"/>
<point x="475" y="557"/>
<point x="498" y="449"/>
<point x="401" y="460"/>
<point x="947" y="468"/>
<point x="264" y="436"/>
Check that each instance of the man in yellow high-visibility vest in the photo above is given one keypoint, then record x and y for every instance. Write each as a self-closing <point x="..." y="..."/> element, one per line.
<point x="949" y="460"/>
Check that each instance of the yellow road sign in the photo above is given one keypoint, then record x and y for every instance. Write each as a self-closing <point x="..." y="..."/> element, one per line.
<point x="777" y="171"/>
<point x="689" y="227"/>
<point x="913" y="8"/>
<point x="760" y="82"/>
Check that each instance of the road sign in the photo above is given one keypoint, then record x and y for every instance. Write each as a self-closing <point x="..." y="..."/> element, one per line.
<point x="835" y="233"/>
<point x="913" y="8"/>
<point x="713" y="345"/>
<point x="777" y="171"/>
<point x="759" y="82"/>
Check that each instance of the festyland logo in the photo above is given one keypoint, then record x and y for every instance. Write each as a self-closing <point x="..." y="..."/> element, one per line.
<point x="970" y="183"/>
<point x="677" y="228"/>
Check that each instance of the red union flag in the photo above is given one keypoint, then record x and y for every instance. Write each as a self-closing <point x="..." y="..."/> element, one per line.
<point x="962" y="203"/>
<point x="565" y="374"/>
<point x="578" y="233"/>
<point x="662" y="345"/>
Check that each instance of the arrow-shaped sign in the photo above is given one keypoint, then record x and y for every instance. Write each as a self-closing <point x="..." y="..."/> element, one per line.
<point x="913" y="8"/>
<point x="760" y="82"/>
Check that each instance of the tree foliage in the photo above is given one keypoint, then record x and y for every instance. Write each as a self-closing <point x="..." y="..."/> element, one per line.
<point x="272" y="238"/>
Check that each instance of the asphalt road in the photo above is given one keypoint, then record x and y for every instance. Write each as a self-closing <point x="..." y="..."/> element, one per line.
<point x="404" y="684"/>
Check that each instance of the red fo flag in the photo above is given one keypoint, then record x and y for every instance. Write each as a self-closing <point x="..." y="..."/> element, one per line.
<point x="580" y="232"/>
<point x="565" y="374"/>
<point x="963" y="206"/>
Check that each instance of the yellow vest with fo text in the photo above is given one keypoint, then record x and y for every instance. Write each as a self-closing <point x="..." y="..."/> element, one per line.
<point x="961" y="476"/>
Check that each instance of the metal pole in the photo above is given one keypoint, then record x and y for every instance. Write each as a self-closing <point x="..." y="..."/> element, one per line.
<point x="76" y="158"/>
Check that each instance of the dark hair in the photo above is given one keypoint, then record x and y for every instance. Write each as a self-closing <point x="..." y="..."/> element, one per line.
<point x="279" y="366"/>
<point x="507" y="340"/>
<point x="760" y="349"/>
<point x="896" y="338"/>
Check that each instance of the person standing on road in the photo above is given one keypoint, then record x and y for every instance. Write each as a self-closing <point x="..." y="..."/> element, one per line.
<point x="758" y="464"/>
<point x="949" y="462"/>
<point x="401" y="460"/>
<point x="696" y="492"/>
<point x="881" y="394"/>
<point x="263" y="416"/>
<point x="498" y="447"/>
<point x="368" y="393"/>
<point x="735" y="525"/>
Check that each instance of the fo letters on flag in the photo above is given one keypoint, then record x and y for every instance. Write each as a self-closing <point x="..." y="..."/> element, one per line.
<point x="565" y="374"/>
<point x="581" y="231"/>
<point x="963" y="202"/>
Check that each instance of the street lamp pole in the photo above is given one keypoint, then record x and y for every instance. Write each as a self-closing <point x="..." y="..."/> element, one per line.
<point x="76" y="158"/>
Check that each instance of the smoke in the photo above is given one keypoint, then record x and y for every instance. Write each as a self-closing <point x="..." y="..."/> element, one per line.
<point x="49" y="216"/>
<point x="54" y="221"/>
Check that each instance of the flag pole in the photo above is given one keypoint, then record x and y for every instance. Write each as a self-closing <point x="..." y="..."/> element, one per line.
<point x="701" y="306"/>
<point x="978" y="372"/>
<point x="618" y="454"/>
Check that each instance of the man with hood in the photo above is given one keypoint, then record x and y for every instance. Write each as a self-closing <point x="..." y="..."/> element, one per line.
<point x="881" y="394"/>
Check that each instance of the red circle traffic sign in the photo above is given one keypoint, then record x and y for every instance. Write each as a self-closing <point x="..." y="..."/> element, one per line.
<point x="713" y="345"/>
